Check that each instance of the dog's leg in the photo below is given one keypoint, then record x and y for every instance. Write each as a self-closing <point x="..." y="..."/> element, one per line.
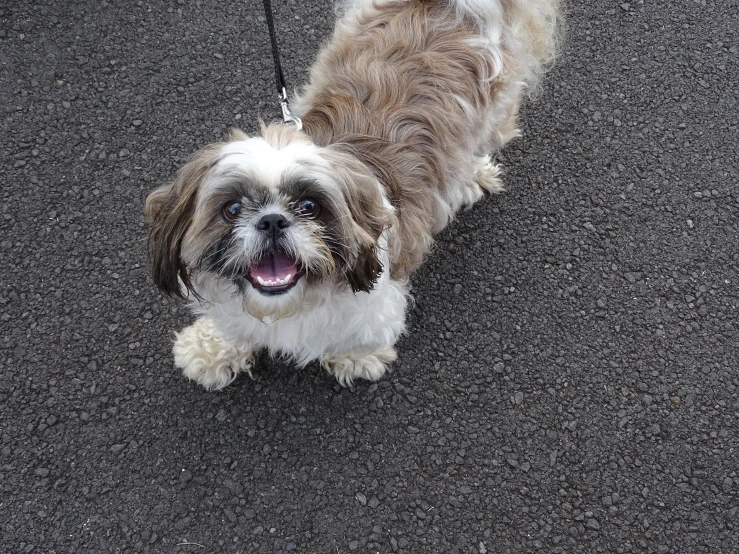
<point x="208" y="358"/>
<point x="349" y="366"/>
<point x="507" y="130"/>
<point x="487" y="179"/>
<point x="488" y="175"/>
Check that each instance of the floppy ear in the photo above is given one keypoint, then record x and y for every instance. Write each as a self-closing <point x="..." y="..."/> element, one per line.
<point x="370" y="216"/>
<point x="170" y="210"/>
<point x="363" y="275"/>
<point x="363" y="166"/>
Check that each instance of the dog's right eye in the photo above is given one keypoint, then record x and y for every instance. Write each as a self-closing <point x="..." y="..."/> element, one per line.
<point x="231" y="211"/>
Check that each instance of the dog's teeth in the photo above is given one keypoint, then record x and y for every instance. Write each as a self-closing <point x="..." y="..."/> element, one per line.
<point x="276" y="282"/>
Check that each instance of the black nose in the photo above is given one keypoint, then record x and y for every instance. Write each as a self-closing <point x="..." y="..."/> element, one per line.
<point x="273" y="224"/>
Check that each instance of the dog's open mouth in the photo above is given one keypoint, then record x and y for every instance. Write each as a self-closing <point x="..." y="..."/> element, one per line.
<point x="274" y="273"/>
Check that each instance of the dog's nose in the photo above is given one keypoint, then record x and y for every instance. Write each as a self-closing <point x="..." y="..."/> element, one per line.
<point x="273" y="224"/>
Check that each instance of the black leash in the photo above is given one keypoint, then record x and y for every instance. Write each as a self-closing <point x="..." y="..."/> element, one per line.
<point x="287" y="117"/>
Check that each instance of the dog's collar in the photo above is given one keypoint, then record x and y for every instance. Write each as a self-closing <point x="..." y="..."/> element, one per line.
<point x="287" y="117"/>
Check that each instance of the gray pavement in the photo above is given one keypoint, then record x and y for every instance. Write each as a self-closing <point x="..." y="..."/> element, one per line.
<point x="569" y="382"/>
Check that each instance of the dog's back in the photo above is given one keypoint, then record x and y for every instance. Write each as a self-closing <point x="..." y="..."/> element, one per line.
<point x="531" y="26"/>
<point x="422" y="91"/>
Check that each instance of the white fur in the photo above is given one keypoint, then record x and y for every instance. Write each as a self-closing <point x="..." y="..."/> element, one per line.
<point x="487" y="179"/>
<point x="352" y="334"/>
<point x="207" y="358"/>
<point x="244" y="158"/>
<point x="370" y="366"/>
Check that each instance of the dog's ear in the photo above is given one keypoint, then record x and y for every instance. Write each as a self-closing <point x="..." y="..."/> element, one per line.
<point x="362" y="164"/>
<point x="367" y="268"/>
<point x="371" y="216"/>
<point x="370" y="213"/>
<point x="170" y="210"/>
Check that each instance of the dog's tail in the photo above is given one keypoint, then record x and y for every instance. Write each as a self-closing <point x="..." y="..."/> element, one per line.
<point x="530" y="29"/>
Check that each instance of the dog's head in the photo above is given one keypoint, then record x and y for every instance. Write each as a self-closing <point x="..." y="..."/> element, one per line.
<point x="273" y="215"/>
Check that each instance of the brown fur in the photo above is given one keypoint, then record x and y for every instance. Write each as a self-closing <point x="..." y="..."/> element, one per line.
<point x="387" y="95"/>
<point x="170" y="210"/>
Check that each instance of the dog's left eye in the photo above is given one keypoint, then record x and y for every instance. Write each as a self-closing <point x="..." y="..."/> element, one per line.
<point x="231" y="211"/>
<point x="308" y="208"/>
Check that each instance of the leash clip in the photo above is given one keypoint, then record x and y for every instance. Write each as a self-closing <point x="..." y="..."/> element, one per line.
<point x="287" y="116"/>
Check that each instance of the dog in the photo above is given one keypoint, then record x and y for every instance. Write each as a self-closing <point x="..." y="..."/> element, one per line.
<point x="302" y="242"/>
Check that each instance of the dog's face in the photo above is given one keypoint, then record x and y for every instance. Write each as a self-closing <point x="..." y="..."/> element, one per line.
<point x="272" y="215"/>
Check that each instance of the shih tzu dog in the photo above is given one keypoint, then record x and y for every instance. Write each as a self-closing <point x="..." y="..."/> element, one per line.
<point x="302" y="241"/>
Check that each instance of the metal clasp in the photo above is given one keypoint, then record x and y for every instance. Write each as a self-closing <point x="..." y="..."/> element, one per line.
<point x="288" y="117"/>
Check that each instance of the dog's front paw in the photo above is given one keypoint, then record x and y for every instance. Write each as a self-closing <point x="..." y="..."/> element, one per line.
<point x="347" y="367"/>
<point x="207" y="358"/>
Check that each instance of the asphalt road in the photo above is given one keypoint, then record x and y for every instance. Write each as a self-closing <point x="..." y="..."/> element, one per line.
<point x="569" y="382"/>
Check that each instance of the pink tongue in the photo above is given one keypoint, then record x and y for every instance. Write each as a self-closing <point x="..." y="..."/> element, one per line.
<point x="274" y="266"/>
